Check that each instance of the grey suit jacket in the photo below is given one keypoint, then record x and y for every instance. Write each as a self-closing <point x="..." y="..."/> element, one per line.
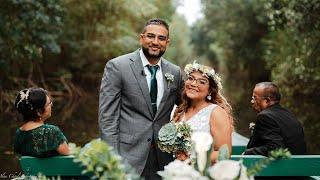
<point x="126" y="120"/>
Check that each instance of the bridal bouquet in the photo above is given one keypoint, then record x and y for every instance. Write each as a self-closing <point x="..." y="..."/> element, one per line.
<point x="175" y="137"/>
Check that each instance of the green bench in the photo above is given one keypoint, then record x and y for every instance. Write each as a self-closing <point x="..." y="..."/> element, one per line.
<point x="298" y="165"/>
<point x="64" y="165"/>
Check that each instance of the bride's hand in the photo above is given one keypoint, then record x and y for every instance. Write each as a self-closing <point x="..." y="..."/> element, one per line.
<point x="181" y="155"/>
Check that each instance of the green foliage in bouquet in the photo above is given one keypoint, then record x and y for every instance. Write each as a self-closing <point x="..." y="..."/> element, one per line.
<point x="102" y="162"/>
<point x="175" y="137"/>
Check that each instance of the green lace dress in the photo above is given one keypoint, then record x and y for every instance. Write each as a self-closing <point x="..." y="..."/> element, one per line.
<point x="39" y="142"/>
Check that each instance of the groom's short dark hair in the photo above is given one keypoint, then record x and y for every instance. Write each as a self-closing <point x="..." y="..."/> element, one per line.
<point x="157" y="21"/>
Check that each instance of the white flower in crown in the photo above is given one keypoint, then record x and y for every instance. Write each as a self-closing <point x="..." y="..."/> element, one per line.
<point x="196" y="66"/>
<point x="169" y="78"/>
<point x="206" y="71"/>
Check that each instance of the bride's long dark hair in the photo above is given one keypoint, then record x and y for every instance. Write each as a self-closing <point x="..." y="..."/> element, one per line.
<point x="217" y="98"/>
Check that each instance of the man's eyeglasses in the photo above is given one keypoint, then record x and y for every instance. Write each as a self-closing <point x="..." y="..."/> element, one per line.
<point x="191" y="79"/>
<point x="254" y="98"/>
<point x="152" y="37"/>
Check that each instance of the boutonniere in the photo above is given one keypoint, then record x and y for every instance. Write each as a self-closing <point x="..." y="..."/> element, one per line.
<point x="170" y="78"/>
<point x="251" y="127"/>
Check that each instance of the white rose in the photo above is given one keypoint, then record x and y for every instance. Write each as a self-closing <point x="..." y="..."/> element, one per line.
<point x="179" y="170"/>
<point x="202" y="141"/>
<point x="228" y="169"/>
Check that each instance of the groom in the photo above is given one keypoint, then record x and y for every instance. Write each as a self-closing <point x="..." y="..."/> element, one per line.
<point x="137" y="94"/>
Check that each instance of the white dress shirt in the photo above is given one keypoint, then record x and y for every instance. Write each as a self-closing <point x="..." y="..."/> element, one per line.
<point x="159" y="76"/>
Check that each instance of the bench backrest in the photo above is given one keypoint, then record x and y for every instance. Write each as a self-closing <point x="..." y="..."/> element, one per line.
<point x="53" y="166"/>
<point x="297" y="165"/>
<point x="239" y="143"/>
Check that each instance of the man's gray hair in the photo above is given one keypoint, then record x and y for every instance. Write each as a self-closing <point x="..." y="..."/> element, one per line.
<point x="270" y="90"/>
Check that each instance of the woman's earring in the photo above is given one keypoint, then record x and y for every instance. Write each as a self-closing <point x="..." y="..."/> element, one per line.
<point x="209" y="97"/>
<point x="39" y="114"/>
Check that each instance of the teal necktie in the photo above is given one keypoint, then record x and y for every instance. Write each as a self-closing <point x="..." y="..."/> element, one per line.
<point x="153" y="87"/>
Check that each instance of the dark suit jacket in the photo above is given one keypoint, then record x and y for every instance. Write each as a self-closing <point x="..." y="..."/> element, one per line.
<point x="276" y="128"/>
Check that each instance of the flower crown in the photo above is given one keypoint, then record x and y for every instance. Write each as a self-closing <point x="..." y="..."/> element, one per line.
<point x="207" y="71"/>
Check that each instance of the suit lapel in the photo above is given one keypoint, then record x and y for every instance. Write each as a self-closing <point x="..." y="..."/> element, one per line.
<point x="166" y="88"/>
<point x="138" y="72"/>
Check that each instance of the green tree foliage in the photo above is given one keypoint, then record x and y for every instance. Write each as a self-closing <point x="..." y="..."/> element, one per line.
<point x="254" y="41"/>
<point x="64" y="45"/>
<point x="95" y="31"/>
<point x="293" y="54"/>
<point x="98" y="30"/>
<point x="101" y="29"/>
<point x="179" y="50"/>
<point x="28" y="29"/>
<point x="230" y="37"/>
<point x="44" y="41"/>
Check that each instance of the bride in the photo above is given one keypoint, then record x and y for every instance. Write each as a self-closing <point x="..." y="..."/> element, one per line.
<point x="204" y="108"/>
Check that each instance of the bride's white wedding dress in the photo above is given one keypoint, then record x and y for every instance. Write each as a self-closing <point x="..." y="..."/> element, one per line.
<point x="200" y="122"/>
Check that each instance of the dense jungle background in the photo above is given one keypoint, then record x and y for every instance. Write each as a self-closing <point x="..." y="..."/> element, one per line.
<point x="63" y="45"/>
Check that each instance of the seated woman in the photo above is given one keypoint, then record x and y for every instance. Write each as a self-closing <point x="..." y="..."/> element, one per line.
<point x="204" y="108"/>
<point x="34" y="137"/>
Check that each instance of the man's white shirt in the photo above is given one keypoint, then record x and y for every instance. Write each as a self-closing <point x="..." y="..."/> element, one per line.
<point x="159" y="76"/>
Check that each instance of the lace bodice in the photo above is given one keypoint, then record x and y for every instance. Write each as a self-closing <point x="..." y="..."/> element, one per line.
<point x="201" y="120"/>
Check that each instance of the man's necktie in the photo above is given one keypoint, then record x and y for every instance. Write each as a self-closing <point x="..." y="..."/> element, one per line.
<point x="153" y="87"/>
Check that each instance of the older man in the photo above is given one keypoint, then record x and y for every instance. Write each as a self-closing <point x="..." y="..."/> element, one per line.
<point x="275" y="126"/>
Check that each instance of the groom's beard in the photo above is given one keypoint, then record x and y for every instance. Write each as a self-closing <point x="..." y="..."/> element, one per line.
<point x="150" y="54"/>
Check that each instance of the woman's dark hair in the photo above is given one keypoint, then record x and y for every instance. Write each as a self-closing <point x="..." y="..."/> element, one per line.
<point x="30" y="102"/>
